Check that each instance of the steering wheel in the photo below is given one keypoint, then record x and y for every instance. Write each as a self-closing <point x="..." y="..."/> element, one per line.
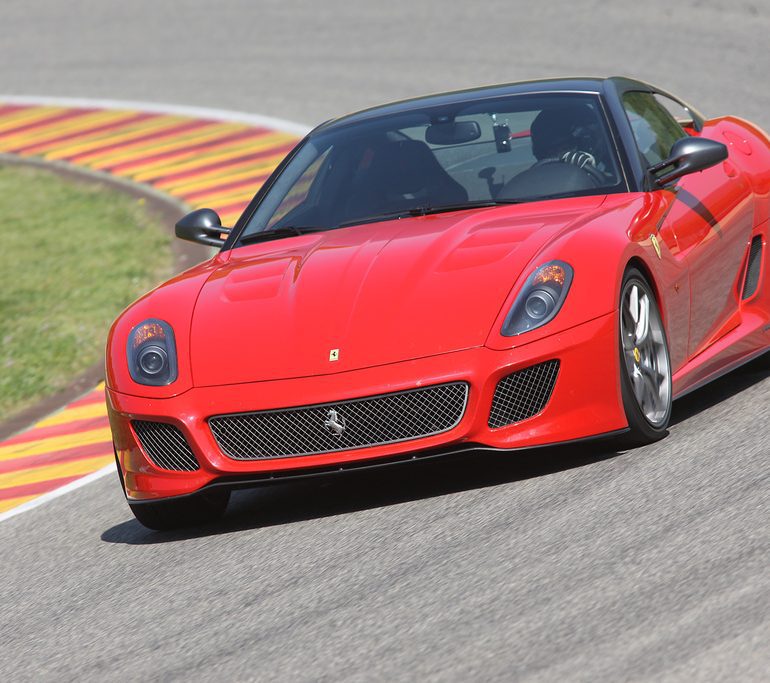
<point x="585" y="161"/>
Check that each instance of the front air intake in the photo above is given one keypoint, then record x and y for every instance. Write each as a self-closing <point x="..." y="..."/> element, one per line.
<point x="523" y="394"/>
<point x="753" y="269"/>
<point x="165" y="446"/>
<point x="341" y="426"/>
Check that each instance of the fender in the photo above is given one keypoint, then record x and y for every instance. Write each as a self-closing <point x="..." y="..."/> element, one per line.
<point x="625" y="232"/>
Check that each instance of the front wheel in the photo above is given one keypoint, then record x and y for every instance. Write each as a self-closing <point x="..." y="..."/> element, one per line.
<point x="645" y="368"/>
<point x="194" y="510"/>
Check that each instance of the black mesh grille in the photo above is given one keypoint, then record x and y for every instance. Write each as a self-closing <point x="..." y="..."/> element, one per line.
<point x="752" y="272"/>
<point x="341" y="426"/>
<point x="523" y="394"/>
<point x="165" y="445"/>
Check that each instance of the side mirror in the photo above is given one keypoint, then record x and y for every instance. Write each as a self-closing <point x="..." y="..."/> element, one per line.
<point x="202" y="226"/>
<point x="687" y="156"/>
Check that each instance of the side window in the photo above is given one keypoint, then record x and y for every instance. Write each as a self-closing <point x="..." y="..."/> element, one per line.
<point x="654" y="128"/>
<point x="683" y="116"/>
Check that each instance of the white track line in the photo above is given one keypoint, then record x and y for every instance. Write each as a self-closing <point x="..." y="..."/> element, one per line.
<point x="153" y="108"/>
<point x="40" y="500"/>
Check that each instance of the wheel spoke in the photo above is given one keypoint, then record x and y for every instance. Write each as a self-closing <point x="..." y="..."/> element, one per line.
<point x="652" y="374"/>
<point x="643" y="321"/>
<point x="627" y="328"/>
<point x="651" y="389"/>
<point x="633" y="304"/>
<point x="638" y="383"/>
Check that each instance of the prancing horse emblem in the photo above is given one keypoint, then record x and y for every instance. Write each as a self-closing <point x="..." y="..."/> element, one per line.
<point x="334" y="422"/>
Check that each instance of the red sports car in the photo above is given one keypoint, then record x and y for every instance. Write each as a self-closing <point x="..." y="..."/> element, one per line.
<point x="500" y="268"/>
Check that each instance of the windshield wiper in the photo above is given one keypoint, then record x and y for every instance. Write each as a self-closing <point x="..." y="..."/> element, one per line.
<point x="427" y="211"/>
<point x="278" y="233"/>
<point x="446" y="208"/>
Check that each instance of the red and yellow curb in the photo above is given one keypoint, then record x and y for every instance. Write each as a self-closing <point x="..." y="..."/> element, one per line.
<point x="202" y="161"/>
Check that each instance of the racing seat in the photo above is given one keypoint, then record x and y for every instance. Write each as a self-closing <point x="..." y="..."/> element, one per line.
<point x="399" y="175"/>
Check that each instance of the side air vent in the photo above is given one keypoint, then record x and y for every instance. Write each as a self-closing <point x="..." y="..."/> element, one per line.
<point x="755" y="265"/>
<point x="165" y="445"/>
<point x="523" y="394"/>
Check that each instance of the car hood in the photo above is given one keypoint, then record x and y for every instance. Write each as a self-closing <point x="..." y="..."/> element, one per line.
<point x="367" y="295"/>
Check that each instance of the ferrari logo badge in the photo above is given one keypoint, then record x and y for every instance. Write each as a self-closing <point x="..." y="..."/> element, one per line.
<point x="334" y="354"/>
<point x="334" y="422"/>
<point x="655" y="245"/>
<point x="637" y="355"/>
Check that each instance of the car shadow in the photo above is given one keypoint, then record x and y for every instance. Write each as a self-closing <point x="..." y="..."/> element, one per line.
<point x="719" y="390"/>
<point x="352" y="491"/>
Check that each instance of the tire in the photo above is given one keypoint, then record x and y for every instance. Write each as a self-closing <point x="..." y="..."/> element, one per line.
<point x="195" y="510"/>
<point x="645" y="366"/>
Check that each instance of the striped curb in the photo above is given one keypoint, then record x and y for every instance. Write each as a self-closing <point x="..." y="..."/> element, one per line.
<point x="201" y="157"/>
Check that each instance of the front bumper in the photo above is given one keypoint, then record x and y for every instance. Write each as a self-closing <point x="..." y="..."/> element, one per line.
<point x="585" y="402"/>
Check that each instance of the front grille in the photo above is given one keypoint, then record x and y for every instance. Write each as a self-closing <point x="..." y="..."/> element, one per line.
<point x="341" y="426"/>
<point x="523" y="394"/>
<point x="752" y="272"/>
<point x="165" y="445"/>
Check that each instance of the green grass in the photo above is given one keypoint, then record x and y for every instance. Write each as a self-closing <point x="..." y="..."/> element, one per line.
<point x="72" y="256"/>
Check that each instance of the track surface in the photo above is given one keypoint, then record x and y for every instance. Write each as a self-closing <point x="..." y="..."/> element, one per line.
<point x="578" y="564"/>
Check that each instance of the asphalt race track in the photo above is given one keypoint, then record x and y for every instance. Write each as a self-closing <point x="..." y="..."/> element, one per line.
<point x="576" y="564"/>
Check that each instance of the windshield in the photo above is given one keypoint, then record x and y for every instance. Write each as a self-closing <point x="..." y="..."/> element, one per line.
<point x="477" y="153"/>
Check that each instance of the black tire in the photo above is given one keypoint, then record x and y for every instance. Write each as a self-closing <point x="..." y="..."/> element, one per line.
<point x="643" y="430"/>
<point x="195" y="510"/>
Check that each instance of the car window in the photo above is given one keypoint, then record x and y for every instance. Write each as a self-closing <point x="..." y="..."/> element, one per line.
<point x="655" y="129"/>
<point x="300" y="191"/>
<point x="559" y="144"/>
<point x="677" y="110"/>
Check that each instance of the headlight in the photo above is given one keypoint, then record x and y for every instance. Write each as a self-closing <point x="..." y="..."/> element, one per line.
<point x="152" y="353"/>
<point x="540" y="299"/>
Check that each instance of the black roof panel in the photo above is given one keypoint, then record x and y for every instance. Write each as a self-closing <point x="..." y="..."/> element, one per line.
<point x="589" y="85"/>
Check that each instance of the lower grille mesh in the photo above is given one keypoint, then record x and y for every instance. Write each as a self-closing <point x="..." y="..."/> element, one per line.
<point x="165" y="445"/>
<point x="523" y="394"/>
<point x="341" y="426"/>
<point x="752" y="272"/>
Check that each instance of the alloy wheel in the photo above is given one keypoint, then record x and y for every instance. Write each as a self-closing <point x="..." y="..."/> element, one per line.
<point x="645" y="353"/>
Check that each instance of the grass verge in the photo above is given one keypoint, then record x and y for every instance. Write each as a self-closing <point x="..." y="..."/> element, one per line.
<point x="73" y="255"/>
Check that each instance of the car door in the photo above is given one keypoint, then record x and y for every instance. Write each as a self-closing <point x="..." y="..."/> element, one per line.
<point x="712" y="220"/>
<point x="710" y="216"/>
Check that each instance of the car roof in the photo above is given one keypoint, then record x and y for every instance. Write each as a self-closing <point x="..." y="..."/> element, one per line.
<point x="578" y="85"/>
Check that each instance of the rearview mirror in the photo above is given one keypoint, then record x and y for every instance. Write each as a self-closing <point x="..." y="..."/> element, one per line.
<point x="687" y="156"/>
<point x="202" y="226"/>
<point x="452" y="132"/>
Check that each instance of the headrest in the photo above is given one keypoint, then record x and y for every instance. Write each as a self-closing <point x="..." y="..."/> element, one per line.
<point x="554" y="129"/>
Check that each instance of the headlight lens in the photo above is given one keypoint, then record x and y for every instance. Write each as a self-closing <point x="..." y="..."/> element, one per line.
<point x="152" y="353"/>
<point x="540" y="299"/>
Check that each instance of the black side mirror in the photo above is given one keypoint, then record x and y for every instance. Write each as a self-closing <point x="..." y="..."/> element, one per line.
<point x="202" y="226"/>
<point x="687" y="156"/>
